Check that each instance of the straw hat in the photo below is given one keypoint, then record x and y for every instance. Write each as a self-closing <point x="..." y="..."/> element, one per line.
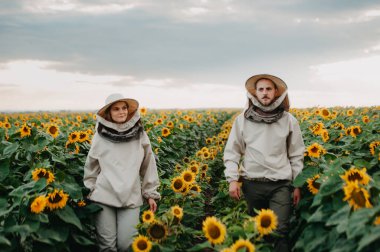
<point x="250" y="85"/>
<point x="111" y="99"/>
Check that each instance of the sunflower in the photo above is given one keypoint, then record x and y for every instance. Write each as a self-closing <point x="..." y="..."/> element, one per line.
<point x="148" y="216"/>
<point x="143" y="111"/>
<point x="365" y="119"/>
<point x="83" y="136"/>
<point x="56" y="199"/>
<point x="313" y="185"/>
<point x="377" y="221"/>
<point x="178" y="167"/>
<point x="157" y="231"/>
<point x="204" y="167"/>
<point x="355" y="130"/>
<point x="354" y="174"/>
<point x="194" y="168"/>
<point x="177" y="212"/>
<point x="373" y="146"/>
<point x="350" y="112"/>
<point x="317" y="128"/>
<point x="357" y="197"/>
<point x="43" y="173"/>
<point x="81" y="203"/>
<point x="206" y="155"/>
<point x="195" y="188"/>
<point x="325" y="113"/>
<point x="338" y="125"/>
<point x="266" y="221"/>
<point x="74" y="137"/>
<point x="209" y="140"/>
<point x="188" y="176"/>
<point x="186" y="160"/>
<point x="53" y="130"/>
<point x="178" y="184"/>
<point x="214" y="230"/>
<point x="7" y="125"/>
<point x="38" y="205"/>
<point x="165" y="132"/>
<point x="170" y="124"/>
<point x="243" y="245"/>
<point x="25" y="130"/>
<point x="325" y="136"/>
<point x="315" y="150"/>
<point x="141" y="244"/>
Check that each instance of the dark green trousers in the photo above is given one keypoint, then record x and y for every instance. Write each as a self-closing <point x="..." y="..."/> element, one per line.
<point x="275" y="195"/>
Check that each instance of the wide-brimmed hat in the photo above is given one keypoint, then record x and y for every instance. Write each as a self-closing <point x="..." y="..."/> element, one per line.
<point x="111" y="99"/>
<point x="281" y="86"/>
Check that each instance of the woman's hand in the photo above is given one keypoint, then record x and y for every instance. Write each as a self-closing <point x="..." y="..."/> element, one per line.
<point x="152" y="205"/>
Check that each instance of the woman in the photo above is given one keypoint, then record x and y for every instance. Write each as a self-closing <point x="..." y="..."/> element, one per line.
<point x="120" y="171"/>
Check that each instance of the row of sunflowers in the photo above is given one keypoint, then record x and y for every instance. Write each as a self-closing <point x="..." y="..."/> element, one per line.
<point x="43" y="206"/>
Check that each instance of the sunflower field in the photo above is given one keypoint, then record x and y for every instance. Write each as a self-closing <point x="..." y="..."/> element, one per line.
<point x="43" y="204"/>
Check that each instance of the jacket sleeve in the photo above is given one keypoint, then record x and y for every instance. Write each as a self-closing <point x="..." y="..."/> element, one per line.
<point x="91" y="171"/>
<point x="233" y="151"/>
<point x="296" y="148"/>
<point x="148" y="172"/>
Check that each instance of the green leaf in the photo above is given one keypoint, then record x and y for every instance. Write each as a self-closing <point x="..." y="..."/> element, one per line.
<point x="82" y="240"/>
<point x="68" y="215"/>
<point x="360" y="163"/>
<point x="55" y="234"/>
<point x="10" y="149"/>
<point x="200" y="246"/>
<point x="4" y="168"/>
<point x="370" y="238"/>
<point x="341" y="215"/>
<point x="4" y="241"/>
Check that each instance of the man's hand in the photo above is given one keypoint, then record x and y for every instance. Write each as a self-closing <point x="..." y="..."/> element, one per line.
<point x="296" y="196"/>
<point x="234" y="190"/>
<point x="152" y="205"/>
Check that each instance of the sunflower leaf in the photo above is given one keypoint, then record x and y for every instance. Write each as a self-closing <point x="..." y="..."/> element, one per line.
<point x="68" y="215"/>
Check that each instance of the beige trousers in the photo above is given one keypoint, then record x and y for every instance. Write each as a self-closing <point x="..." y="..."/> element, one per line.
<point x="116" y="227"/>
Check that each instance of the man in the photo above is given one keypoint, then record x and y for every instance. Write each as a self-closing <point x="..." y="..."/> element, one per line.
<point x="269" y="140"/>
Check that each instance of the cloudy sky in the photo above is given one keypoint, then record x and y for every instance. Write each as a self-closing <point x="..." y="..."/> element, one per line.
<point x="71" y="54"/>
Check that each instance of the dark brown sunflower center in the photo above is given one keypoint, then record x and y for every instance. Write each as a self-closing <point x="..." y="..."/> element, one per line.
<point x="214" y="231"/>
<point x="359" y="198"/>
<point x="142" y="245"/>
<point x="355" y="176"/>
<point x="55" y="198"/>
<point x="178" y="184"/>
<point x="157" y="231"/>
<point x="266" y="221"/>
<point x="316" y="185"/>
<point x="53" y="130"/>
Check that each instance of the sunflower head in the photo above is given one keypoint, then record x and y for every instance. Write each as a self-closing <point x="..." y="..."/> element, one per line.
<point x="188" y="176"/>
<point x="354" y="174"/>
<point x="357" y="196"/>
<point x="165" y="132"/>
<point x="25" y="131"/>
<point x="315" y="150"/>
<point x="53" y="130"/>
<point x="43" y="173"/>
<point x="266" y="221"/>
<point x="148" y="216"/>
<point x="313" y="185"/>
<point x="38" y="205"/>
<point x="157" y="231"/>
<point x="56" y="199"/>
<point x="243" y="245"/>
<point x="141" y="244"/>
<point x="177" y="212"/>
<point x="178" y="184"/>
<point x="214" y="230"/>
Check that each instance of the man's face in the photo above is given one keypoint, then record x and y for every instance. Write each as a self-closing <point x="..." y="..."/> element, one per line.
<point x="265" y="92"/>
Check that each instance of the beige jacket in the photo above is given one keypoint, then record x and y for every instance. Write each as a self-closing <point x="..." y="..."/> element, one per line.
<point x="121" y="174"/>
<point x="274" y="151"/>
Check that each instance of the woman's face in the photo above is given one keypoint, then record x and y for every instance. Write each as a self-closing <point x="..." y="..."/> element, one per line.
<point x="119" y="112"/>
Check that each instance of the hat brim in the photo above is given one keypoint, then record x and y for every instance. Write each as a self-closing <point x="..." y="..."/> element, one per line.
<point x="281" y="86"/>
<point x="133" y="105"/>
